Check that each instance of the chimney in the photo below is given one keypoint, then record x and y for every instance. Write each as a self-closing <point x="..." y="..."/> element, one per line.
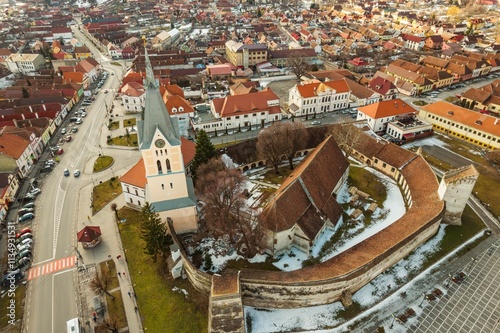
<point x="496" y="121"/>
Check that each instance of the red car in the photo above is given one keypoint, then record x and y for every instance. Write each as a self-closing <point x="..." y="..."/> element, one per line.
<point x="60" y="151"/>
<point x="22" y="232"/>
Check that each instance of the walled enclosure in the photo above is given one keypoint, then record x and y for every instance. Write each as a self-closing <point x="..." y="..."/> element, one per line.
<point x="349" y="271"/>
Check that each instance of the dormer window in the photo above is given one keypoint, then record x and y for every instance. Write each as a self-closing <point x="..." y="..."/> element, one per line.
<point x="181" y="109"/>
<point x="174" y="110"/>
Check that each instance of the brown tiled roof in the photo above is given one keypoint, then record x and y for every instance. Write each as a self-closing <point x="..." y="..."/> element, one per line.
<point x="226" y="284"/>
<point x="242" y="104"/>
<point x="88" y="234"/>
<point x="388" y="108"/>
<point x="476" y="95"/>
<point x="177" y="101"/>
<point x="13" y="145"/>
<point x="464" y="116"/>
<point x="304" y="197"/>
<point x="425" y="210"/>
<point x="311" y="89"/>
<point x="136" y="176"/>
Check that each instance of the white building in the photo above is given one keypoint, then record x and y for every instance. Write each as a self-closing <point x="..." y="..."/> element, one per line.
<point x="240" y="112"/>
<point x="318" y="97"/>
<point x="133" y="96"/>
<point x="378" y="115"/>
<point x="25" y="63"/>
<point x="160" y="176"/>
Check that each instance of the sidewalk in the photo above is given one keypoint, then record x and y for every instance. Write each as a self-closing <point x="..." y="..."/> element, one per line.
<point x="110" y="247"/>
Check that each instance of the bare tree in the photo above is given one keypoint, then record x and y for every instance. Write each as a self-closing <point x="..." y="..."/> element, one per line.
<point x="298" y="63"/>
<point x="346" y="136"/>
<point x="100" y="283"/>
<point x="270" y="146"/>
<point x="114" y="208"/>
<point x="225" y="213"/>
<point x="294" y="136"/>
<point x="110" y="324"/>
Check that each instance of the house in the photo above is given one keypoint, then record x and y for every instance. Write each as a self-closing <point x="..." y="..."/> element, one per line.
<point x="279" y="58"/>
<point x="379" y="114"/>
<point x="24" y="63"/>
<point x="384" y="87"/>
<point x="484" y="99"/>
<point x="407" y="127"/>
<point x="128" y="52"/>
<point x="245" y="55"/>
<point x="245" y="111"/>
<point x="133" y="96"/>
<point x="178" y="107"/>
<point x="315" y="98"/>
<point x="434" y="42"/>
<point x="305" y="204"/>
<point x="82" y="52"/>
<point x="19" y="149"/>
<point x="479" y="129"/>
<point x="361" y="95"/>
<point x="160" y="177"/>
<point x="413" y="42"/>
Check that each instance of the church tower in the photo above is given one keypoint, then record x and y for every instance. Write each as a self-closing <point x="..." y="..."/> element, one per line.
<point x="169" y="191"/>
<point x="455" y="189"/>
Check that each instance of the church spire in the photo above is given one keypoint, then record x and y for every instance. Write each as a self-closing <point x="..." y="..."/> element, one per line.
<point x="156" y="116"/>
<point x="150" y="80"/>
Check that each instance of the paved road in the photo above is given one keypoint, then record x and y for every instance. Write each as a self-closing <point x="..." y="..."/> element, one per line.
<point x="51" y="298"/>
<point x="447" y="156"/>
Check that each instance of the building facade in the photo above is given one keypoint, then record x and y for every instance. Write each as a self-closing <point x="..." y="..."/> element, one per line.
<point x="245" y="55"/>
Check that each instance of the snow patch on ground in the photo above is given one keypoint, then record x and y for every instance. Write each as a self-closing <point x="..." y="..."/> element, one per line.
<point x="291" y="261"/>
<point x="430" y="141"/>
<point x="219" y="251"/>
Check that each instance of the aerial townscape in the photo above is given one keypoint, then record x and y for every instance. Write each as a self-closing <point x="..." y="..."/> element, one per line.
<point x="249" y="166"/>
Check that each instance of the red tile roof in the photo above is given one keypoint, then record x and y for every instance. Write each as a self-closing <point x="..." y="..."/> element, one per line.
<point x="242" y="104"/>
<point x="311" y="89"/>
<point x="388" y="108"/>
<point x="13" y="145"/>
<point x="136" y="176"/>
<point x="88" y="234"/>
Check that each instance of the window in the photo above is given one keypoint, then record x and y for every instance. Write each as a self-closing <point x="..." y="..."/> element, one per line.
<point x="128" y="189"/>
<point x="131" y="200"/>
<point x="162" y="186"/>
<point x="158" y="165"/>
<point x="174" y="110"/>
<point x="171" y="185"/>
<point x="166" y="152"/>
<point x="168" y="165"/>
<point x="136" y="193"/>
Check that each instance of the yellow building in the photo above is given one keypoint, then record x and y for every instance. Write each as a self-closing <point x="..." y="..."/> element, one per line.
<point x="474" y="127"/>
<point x="82" y="52"/>
<point x="245" y="55"/>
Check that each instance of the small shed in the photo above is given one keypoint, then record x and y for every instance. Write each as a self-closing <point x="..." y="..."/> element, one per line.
<point x="90" y="236"/>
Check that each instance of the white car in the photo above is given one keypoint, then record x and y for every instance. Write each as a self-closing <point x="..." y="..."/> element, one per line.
<point x="35" y="191"/>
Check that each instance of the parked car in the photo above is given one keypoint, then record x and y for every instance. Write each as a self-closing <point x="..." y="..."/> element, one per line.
<point x="74" y="130"/>
<point x="35" y="191"/>
<point x="60" y="151"/>
<point x="27" y="235"/>
<point x="29" y="196"/>
<point x="29" y="205"/>
<point x="24" y="247"/>
<point x="66" y="172"/>
<point x="316" y="122"/>
<point x="76" y="173"/>
<point x="63" y="131"/>
<point x="83" y="114"/>
<point x="23" y="254"/>
<point x="23" y="263"/>
<point x="23" y="232"/>
<point x="27" y="217"/>
<point x="24" y="241"/>
<point x="46" y="168"/>
<point x="78" y="121"/>
<point x="23" y="211"/>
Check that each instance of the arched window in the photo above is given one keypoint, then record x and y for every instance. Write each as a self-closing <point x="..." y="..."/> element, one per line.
<point x="158" y="165"/>
<point x="166" y="152"/>
<point x="156" y="152"/>
<point x="168" y="165"/>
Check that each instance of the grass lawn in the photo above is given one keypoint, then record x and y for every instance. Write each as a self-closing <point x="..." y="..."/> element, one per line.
<point x="116" y="309"/>
<point x="162" y="310"/>
<point x="110" y="267"/>
<point x="227" y="144"/>
<point x="19" y="294"/>
<point x="104" y="193"/>
<point x="122" y="140"/>
<point x="114" y="125"/>
<point x="102" y="163"/>
<point x="367" y="182"/>
<point x="277" y="179"/>
<point x="129" y="122"/>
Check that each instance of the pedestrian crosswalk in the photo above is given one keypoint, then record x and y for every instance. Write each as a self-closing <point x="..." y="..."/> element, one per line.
<point x="51" y="267"/>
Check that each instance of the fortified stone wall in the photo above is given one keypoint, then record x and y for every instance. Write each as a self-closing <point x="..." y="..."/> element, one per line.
<point x="201" y="281"/>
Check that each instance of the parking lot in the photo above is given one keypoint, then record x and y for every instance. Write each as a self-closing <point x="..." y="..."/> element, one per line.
<point x="470" y="305"/>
